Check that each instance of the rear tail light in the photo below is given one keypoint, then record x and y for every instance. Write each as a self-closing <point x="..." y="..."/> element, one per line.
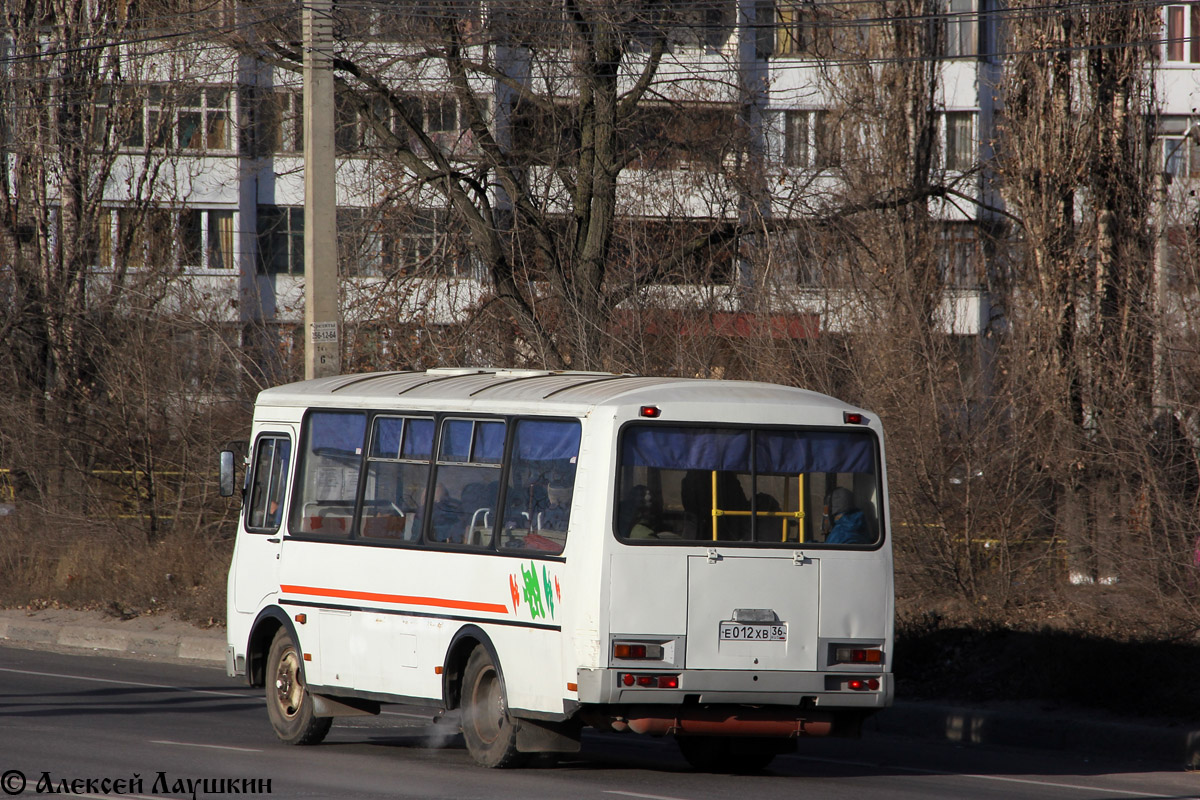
<point x="857" y="655"/>
<point x="637" y="651"/>
<point x="863" y="684"/>
<point x="648" y="680"/>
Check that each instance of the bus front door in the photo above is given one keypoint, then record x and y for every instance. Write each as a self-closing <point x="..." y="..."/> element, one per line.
<point x="256" y="570"/>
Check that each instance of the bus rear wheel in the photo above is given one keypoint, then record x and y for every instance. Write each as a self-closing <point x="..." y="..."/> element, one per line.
<point x="289" y="705"/>
<point x="488" y="730"/>
<point x="730" y="754"/>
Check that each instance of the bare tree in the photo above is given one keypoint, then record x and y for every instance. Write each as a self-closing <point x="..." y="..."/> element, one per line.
<point x="531" y="125"/>
<point x="94" y="228"/>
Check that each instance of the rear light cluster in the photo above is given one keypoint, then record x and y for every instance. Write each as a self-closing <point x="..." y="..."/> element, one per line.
<point x="863" y="684"/>
<point x="857" y="655"/>
<point x="648" y="681"/>
<point x="630" y="651"/>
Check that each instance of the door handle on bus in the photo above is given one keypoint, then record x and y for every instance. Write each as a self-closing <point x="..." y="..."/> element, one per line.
<point x="273" y="540"/>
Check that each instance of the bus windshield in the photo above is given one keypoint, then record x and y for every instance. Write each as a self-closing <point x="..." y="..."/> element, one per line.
<point x="747" y="485"/>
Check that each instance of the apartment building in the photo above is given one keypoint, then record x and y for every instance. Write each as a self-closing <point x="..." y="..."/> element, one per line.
<point x="743" y="87"/>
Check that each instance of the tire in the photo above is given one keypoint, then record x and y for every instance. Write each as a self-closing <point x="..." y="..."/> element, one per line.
<point x="488" y="730"/>
<point x="289" y="705"/>
<point x="731" y="754"/>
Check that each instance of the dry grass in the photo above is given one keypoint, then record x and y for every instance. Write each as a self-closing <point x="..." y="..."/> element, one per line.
<point x="48" y="563"/>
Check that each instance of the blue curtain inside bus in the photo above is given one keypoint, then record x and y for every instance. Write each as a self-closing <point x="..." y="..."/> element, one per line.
<point x="417" y="437"/>
<point x="335" y="433"/>
<point x="775" y="452"/>
<point x="539" y="440"/>
<point x="458" y="435"/>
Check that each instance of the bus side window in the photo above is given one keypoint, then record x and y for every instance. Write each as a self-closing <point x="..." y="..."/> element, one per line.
<point x="541" y="485"/>
<point x="268" y="483"/>
<point x="327" y="473"/>
<point x="397" y="478"/>
<point x="470" y="453"/>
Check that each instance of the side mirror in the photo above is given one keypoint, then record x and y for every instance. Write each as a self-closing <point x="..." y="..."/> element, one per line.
<point x="227" y="476"/>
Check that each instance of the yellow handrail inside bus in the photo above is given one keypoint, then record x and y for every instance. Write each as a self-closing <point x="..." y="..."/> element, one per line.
<point x="718" y="512"/>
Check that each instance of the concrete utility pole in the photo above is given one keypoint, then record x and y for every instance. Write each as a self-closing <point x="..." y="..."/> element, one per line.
<point x="322" y="348"/>
<point x="756" y="31"/>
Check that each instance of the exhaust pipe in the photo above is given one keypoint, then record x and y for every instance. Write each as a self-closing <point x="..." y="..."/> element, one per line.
<point x="778" y="722"/>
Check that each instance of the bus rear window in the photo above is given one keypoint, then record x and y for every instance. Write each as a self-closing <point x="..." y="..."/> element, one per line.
<point x="745" y="485"/>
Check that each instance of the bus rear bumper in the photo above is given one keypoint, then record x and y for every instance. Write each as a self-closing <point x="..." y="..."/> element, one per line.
<point x="824" y="691"/>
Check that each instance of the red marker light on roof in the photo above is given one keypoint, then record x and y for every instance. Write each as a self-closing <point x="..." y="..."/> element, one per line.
<point x="853" y="418"/>
<point x="652" y="412"/>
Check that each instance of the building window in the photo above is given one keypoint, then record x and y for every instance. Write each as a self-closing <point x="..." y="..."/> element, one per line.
<point x="281" y="123"/>
<point x="424" y="242"/>
<point x="959" y="255"/>
<point x="218" y="244"/>
<point x="191" y="119"/>
<point x="145" y="237"/>
<point x="960" y="140"/>
<point x="350" y="126"/>
<point x="820" y="29"/>
<point x="441" y="118"/>
<point x="1178" y="150"/>
<point x="280" y="240"/>
<point x="163" y="237"/>
<point x="812" y="140"/>
<point x="403" y="22"/>
<point x="1183" y="33"/>
<point x="399" y="242"/>
<point x="360" y="242"/>
<point x="119" y="119"/>
<point x="962" y="23"/>
<point x="797" y="133"/>
<point x="105" y="219"/>
<point x="206" y="239"/>
<point x="203" y="122"/>
<point x="796" y="30"/>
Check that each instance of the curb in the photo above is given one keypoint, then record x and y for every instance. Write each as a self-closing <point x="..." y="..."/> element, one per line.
<point x="206" y="648"/>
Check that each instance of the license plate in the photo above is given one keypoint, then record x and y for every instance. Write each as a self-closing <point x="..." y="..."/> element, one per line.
<point x="753" y="632"/>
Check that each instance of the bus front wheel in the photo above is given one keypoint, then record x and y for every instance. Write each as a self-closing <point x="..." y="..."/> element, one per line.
<point x="289" y="705"/>
<point x="488" y="730"/>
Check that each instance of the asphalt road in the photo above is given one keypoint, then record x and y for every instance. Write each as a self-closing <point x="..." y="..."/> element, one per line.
<point x="164" y="729"/>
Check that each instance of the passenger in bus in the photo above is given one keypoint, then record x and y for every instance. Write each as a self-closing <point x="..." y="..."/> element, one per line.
<point x="558" y="508"/>
<point x="847" y="524"/>
<point x="638" y="516"/>
<point x="525" y="499"/>
<point x="447" y="518"/>
<point x="414" y="514"/>
<point x="696" y="492"/>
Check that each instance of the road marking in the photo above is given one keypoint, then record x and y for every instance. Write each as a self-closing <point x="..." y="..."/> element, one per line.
<point x="646" y="796"/>
<point x="1053" y="785"/>
<point x="207" y="746"/>
<point x="126" y="683"/>
<point x="999" y="778"/>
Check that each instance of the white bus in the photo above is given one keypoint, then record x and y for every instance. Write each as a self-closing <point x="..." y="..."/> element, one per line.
<point x="538" y="551"/>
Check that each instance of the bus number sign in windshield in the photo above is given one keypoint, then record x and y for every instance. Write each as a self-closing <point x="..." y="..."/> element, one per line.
<point x="760" y="632"/>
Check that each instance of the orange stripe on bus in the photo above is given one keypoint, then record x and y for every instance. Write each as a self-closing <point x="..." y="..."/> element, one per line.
<point x="436" y="602"/>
